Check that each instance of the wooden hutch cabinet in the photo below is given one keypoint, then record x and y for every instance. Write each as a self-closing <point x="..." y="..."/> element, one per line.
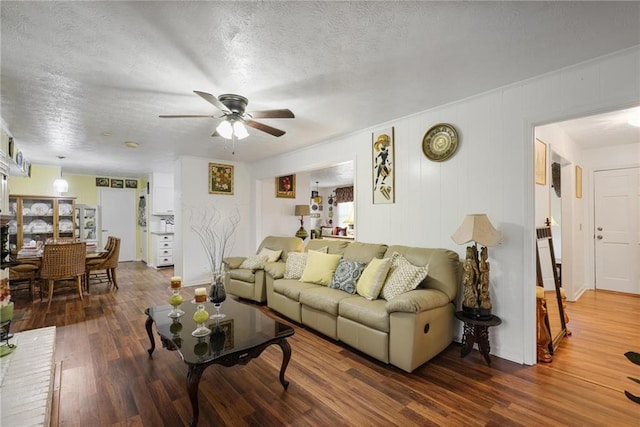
<point x="39" y="218"/>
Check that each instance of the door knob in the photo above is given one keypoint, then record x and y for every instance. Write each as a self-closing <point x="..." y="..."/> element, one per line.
<point x="599" y="228"/>
<point x="599" y="237"/>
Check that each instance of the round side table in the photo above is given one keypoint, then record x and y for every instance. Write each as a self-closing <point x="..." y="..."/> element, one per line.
<point x="477" y="331"/>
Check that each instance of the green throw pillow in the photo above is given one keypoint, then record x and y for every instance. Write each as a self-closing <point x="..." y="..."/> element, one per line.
<point x="320" y="268"/>
<point x="373" y="277"/>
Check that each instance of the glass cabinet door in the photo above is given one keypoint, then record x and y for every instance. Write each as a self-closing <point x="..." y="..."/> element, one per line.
<point x="37" y="220"/>
<point x="65" y="218"/>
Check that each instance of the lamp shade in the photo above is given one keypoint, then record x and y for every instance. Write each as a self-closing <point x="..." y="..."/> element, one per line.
<point x="60" y="185"/>
<point x="302" y="210"/>
<point x="477" y="228"/>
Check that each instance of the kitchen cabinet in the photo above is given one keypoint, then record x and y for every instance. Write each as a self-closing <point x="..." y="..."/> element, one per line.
<point x="162" y="194"/>
<point x="39" y="218"/>
<point x="163" y="249"/>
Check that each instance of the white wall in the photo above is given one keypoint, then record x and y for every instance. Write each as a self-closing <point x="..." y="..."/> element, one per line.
<point x="192" y="177"/>
<point x="597" y="159"/>
<point x="492" y="172"/>
<point x="275" y="216"/>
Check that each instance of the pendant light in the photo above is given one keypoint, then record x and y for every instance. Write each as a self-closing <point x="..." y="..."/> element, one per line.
<point x="60" y="185"/>
<point x="317" y="198"/>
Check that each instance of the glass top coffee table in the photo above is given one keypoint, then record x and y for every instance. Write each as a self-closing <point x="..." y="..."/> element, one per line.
<point x="236" y="339"/>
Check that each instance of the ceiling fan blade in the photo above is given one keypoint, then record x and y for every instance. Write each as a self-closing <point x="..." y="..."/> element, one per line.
<point x="187" y="116"/>
<point x="264" y="128"/>
<point x="284" y="113"/>
<point x="212" y="100"/>
<point x="215" y="133"/>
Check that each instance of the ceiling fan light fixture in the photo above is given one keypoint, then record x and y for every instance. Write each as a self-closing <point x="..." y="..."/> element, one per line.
<point x="225" y="129"/>
<point x="239" y="130"/>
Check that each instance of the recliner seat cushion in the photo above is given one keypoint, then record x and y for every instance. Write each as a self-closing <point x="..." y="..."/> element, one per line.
<point x="323" y="299"/>
<point x="291" y="288"/>
<point x="370" y="313"/>
<point x="243" y="275"/>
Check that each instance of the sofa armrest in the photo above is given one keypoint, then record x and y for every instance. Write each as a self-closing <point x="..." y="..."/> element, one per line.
<point x="234" y="262"/>
<point x="417" y="301"/>
<point x="275" y="269"/>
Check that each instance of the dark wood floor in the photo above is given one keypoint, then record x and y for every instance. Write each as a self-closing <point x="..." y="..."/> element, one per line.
<point x="107" y="379"/>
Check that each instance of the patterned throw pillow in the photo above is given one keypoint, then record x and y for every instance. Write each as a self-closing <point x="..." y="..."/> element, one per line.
<point x="373" y="277"/>
<point x="254" y="262"/>
<point x="347" y="275"/>
<point x="272" y="256"/>
<point x="403" y="277"/>
<point x="296" y="261"/>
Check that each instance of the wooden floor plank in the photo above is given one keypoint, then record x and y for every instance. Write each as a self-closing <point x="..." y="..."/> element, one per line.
<point x="108" y="379"/>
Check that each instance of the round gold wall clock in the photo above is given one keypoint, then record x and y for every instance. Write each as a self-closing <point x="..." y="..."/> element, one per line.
<point x="440" y="142"/>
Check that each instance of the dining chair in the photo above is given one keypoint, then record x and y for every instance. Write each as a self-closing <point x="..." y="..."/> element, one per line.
<point x="63" y="261"/>
<point x="21" y="273"/>
<point x="108" y="264"/>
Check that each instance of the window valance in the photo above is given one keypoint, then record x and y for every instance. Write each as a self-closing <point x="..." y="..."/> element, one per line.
<point x="344" y="194"/>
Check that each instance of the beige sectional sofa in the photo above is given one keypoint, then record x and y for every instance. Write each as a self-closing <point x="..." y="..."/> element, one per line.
<point x="405" y="331"/>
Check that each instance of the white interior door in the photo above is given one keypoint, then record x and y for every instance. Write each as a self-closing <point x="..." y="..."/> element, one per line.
<point x="617" y="239"/>
<point x="119" y="210"/>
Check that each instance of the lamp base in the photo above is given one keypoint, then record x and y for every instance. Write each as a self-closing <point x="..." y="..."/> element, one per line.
<point x="302" y="233"/>
<point x="477" y="313"/>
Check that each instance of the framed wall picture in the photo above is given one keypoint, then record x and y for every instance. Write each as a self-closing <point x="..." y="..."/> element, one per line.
<point x="117" y="183"/>
<point x="382" y="147"/>
<point x="220" y="179"/>
<point x="131" y="183"/>
<point x="541" y="162"/>
<point x="102" y="182"/>
<point x="578" y="182"/>
<point x="286" y="186"/>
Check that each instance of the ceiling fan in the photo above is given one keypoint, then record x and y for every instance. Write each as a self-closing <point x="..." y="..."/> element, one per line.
<point x="235" y="117"/>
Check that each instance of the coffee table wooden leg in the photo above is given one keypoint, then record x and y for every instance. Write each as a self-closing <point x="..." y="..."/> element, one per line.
<point x="193" y="381"/>
<point x="147" y="325"/>
<point x="286" y="356"/>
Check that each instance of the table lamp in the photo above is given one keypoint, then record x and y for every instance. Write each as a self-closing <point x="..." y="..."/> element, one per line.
<point x="476" y="228"/>
<point x="302" y="211"/>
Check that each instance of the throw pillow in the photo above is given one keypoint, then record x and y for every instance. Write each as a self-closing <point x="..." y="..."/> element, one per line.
<point x="254" y="262"/>
<point x="272" y="256"/>
<point x="373" y="277"/>
<point x="320" y="268"/>
<point x="347" y="275"/>
<point x="296" y="261"/>
<point x="403" y="277"/>
<point x="324" y="250"/>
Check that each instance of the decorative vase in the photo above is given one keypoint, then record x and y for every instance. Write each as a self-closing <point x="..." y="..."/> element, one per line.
<point x="217" y="292"/>
<point x="175" y="300"/>
<point x="200" y="316"/>
<point x="6" y="314"/>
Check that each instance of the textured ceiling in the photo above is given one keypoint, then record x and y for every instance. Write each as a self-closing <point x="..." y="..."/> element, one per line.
<point x="73" y="72"/>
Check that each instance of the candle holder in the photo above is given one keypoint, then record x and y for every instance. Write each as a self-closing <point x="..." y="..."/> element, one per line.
<point x="200" y="317"/>
<point x="175" y="300"/>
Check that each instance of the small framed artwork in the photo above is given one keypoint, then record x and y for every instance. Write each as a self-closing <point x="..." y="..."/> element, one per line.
<point x="286" y="186"/>
<point x="102" y="182"/>
<point x="117" y="183"/>
<point x="383" y="166"/>
<point x="578" y="182"/>
<point x="541" y="162"/>
<point x="220" y="179"/>
<point x="131" y="183"/>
